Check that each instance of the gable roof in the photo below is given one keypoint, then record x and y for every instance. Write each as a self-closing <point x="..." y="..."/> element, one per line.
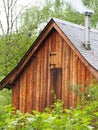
<point x="76" y="34"/>
<point x="75" y="38"/>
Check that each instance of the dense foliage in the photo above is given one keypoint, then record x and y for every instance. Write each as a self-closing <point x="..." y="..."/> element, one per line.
<point x="13" y="46"/>
<point x="83" y="117"/>
<point x="5" y="99"/>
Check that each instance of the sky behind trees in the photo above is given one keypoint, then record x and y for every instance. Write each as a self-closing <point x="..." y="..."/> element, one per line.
<point x="20" y="4"/>
<point x="77" y="5"/>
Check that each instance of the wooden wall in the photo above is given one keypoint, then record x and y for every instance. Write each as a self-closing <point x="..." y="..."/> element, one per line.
<point x="54" y="68"/>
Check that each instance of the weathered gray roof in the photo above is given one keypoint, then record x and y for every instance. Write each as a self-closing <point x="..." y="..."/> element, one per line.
<point x="76" y="35"/>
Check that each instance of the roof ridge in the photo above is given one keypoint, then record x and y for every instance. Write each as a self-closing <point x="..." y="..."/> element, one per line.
<point x="72" y="24"/>
<point x="67" y="22"/>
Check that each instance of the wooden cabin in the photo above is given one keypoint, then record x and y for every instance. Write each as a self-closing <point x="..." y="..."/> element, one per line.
<point x="56" y="61"/>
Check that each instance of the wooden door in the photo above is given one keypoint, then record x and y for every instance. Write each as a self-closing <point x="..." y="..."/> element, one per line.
<point x="55" y="74"/>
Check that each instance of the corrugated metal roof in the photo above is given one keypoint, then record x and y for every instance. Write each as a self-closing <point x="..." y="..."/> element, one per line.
<point x="76" y="34"/>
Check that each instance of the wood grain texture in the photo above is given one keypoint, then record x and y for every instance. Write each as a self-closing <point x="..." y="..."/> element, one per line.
<point x="70" y="87"/>
<point x="49" y="61"/>
<point x="51" y="28"/>
<point x="16" y="94"/>
<point x="23" y="92"/>
<point x="44" y="77"/>
<point x="38" y="79"/>
<point x="40" y="76"/>
<point x="65" y="74"/>
<point x="29" y="89"/>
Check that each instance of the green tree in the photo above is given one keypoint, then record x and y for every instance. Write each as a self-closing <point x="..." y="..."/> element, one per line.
<point x="35" y="18"/>
<point x="12" y="49"/>
<point x="5" y="99"/>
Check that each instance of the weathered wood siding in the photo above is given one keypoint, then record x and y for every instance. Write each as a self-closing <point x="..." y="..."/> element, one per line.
<point x="53" y="68"/>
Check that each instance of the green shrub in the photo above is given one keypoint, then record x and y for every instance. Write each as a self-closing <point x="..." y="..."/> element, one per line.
<point x="5" y="98"/>
<point x="83" y="117"/>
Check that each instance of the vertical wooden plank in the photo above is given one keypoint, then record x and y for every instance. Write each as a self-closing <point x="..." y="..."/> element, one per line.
<point x="83" y="79"/>
<point x="53" y="42"/>
<point x="49" y="88"/>
<point x="38" y="79"/>
<point x="60" y="50"/>
<point x="58" y="41"/>
<point x="68" y="50"/>
<point x="79" y="72"/>
<point x="65" y="74"/>
<point x="16" y="95"/>
<point x="34" y="71"/>
<point x="22" y="92"/>
<point x="71" y="80"/>
<point x="42" y="78"/>
<point x="44" y="74"/>
<point x="79" y="75"/>
<point x="75" y="63"/>
<point x="29" y="88"/>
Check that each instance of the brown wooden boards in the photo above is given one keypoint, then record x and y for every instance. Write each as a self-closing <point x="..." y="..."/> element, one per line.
<point x="54" y="69"/>
<point x="16" y="94"/>
<point x="23" y="92"/>
<point x="29" y="89"/>
<point x="65" y="73"/>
